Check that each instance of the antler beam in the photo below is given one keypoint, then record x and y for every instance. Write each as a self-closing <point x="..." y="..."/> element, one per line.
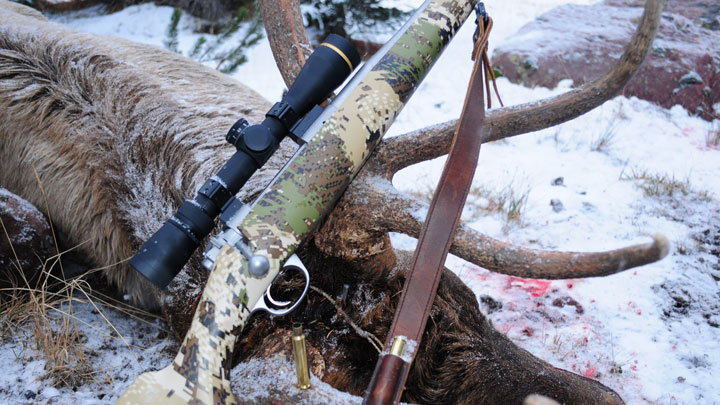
<point x="431" y="142"/>
<point x="286" y="33"/>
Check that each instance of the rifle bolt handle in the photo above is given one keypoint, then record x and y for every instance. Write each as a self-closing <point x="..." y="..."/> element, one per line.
<point x="258" y="265"/>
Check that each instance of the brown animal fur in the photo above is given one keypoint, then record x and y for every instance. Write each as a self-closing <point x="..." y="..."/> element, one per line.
<point x="119" y="135"/>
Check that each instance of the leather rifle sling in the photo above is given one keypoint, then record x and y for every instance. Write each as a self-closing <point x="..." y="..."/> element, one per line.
<point x="420" y="287"/>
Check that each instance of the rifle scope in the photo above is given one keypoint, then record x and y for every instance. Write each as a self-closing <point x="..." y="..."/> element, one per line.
<point x="162" y="256"/>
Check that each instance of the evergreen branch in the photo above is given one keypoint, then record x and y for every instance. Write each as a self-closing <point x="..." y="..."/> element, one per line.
<point x="171" y="33"/>
<point x="197" y="48"/>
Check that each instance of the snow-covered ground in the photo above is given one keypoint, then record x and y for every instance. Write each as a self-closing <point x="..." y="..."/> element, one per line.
<point x="651" y="333"/>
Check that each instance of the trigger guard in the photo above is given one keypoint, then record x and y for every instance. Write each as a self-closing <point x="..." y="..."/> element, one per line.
<point x="262" y="304"/>
<point x="279" y="304"/>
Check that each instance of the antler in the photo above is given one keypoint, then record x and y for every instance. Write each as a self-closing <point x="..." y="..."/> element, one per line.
<point x="286" y="33"/>
<point x="431" y="142"/>
<point x="385" y="209"/>
<point x="372" y="200"/>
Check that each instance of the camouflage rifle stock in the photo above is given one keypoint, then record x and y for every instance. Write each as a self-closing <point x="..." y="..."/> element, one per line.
<point x="294" y="204"/>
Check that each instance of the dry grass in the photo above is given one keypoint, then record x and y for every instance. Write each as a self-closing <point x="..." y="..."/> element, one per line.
<point x="44" y="311"/>
<point x="603" y="141"/>
<point x="41" y="313"/>
<point x="712" y="138"/>
<point x="655" y="184"/>
<point x="43" y="316"/>
<point x="509" y="202"/>
<point x="662" y="185"/>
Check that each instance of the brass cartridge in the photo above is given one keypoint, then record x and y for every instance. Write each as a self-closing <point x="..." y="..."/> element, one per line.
<point x="298" y="341"/>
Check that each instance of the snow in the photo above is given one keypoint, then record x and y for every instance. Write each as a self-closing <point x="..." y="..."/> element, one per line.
<point x="279" y="371"/>
<point x="115" y="360"/>
<point x="650" y="333"/>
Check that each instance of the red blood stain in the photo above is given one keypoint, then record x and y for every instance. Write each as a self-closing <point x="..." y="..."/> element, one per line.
<point x="536" y="288"/>
<point x="591" y="372"/>
<point x="634" y="307"/>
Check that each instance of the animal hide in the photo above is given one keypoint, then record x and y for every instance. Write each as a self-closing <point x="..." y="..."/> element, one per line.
<point x="119" y="133"/>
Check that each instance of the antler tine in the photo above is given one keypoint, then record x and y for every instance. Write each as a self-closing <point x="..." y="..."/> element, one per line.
<point x="432" y="142"/>
<point x="534" y="116"/>
<point x="286" y="33"/>
<point x="390" y="210"/>
<point x="504" y="258"/>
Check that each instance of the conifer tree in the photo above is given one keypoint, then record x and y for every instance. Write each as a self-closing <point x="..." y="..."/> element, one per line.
<point x="227" y="48"/>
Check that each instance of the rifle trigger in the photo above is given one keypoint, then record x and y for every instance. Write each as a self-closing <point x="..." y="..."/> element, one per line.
<point x="278" y="308"/>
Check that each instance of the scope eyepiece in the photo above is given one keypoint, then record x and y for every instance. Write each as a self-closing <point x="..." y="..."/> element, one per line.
<point x="166" y="252"/>
<point x="162" y="256"/>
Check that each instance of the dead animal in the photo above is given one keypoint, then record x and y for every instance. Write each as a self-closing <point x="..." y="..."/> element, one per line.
<point x="121" y="133"/>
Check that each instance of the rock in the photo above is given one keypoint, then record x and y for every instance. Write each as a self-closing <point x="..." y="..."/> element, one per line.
<point x="559" y="181"/>
<point x="583" y="42"/>
<point x="59" y="6"/>
<point x="30" y="240"/>
<point x="211" y="10"/>
<point x="690" y="79"/>
<point x="557" y="205"/>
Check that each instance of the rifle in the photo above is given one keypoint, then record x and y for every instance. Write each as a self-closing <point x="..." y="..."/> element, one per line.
<point x="258" y="240"/>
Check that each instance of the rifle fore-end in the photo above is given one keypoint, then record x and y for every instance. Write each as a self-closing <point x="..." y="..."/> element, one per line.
<point x="295" y="203"/>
